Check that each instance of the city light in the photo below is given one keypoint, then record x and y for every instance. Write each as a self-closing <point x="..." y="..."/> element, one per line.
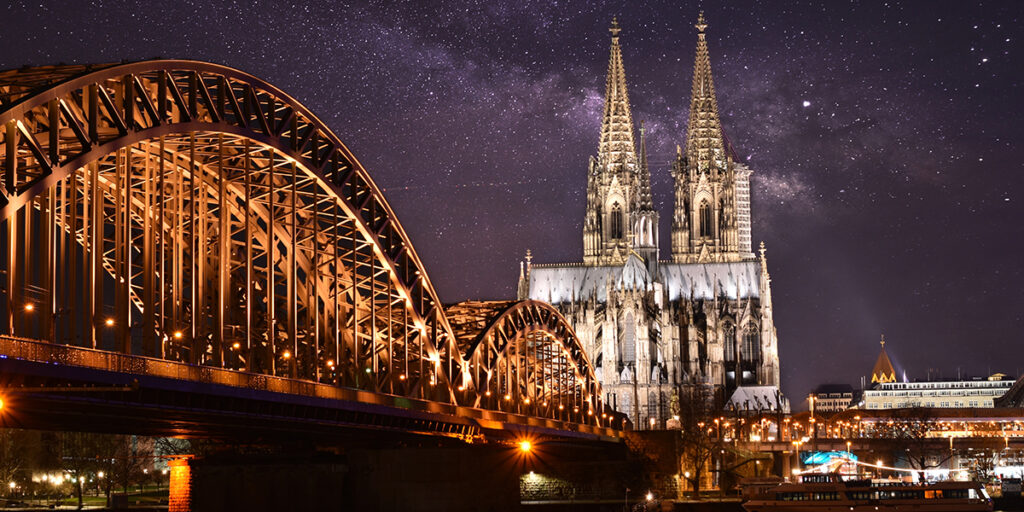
<point x="30" y="307"/>
<point x="109" y="322"/>
<point x="236" y="346"/>
<point x="286" y="354"/>
<point x="650" y="496"/>
<point x="12" y="485"/>
<point x="178" y="335"/>
<point x="525" y="446"/>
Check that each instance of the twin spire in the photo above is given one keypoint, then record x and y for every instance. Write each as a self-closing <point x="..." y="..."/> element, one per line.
<point x="617" y="148"/>
<point x="705" y="144"/>
<point x="705" y="148"/>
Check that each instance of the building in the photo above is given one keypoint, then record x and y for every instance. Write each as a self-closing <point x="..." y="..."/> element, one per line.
<point x="973" y="393"/>
<point x="832" y="398"/>
<point x="886" y="392"/>
<point x="652" y="326"/>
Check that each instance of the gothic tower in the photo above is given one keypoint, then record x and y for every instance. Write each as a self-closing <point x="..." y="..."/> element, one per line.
<point x="711" y="220"/>
<point x="620" y="216"/>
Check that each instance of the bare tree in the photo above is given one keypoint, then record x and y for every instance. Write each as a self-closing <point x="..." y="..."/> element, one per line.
<point x="909" y="430"/>
<point x="12" y="454"/>
<point x="698" y="436"/>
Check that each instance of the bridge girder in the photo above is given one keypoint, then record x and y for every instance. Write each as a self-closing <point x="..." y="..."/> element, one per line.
<point x="210" y="218"/>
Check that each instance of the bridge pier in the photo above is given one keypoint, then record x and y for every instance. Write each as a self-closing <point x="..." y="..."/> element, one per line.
<point x="380" y="479"/>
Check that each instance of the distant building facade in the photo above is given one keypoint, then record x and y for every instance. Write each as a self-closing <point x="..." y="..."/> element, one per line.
<point x="976" y="393"/>
<point x="833" y="398"/>
<point x="649" y="326"/>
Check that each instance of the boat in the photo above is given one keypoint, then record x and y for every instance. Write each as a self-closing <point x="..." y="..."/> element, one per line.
<point x="830" y="493"/>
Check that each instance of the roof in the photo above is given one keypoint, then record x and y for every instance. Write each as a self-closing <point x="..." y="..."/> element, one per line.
<point x="757" y="398"/>
<point x="883" y="370"/>
<point x="560" y="283"/>
<point x="826" y="389"/>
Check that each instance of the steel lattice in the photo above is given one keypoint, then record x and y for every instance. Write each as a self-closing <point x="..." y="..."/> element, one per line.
<point x="190" y="212"/>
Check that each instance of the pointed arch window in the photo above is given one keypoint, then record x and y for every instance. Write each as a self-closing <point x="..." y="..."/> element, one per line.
<point x="616" y="221"/>
<point x="628" y="337"/>
<point x="751" y="344"/>
<point x="705" y="219"/>
<point x="730" y="342"/>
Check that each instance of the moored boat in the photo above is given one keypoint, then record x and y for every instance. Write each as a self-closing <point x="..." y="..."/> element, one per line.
<point x="829" y="493"/>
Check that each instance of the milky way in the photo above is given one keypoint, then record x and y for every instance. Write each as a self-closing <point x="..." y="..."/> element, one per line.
<point x="884" y="138"/>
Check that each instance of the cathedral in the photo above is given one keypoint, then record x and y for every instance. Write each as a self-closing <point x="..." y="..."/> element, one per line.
<point x="650" y="326"/>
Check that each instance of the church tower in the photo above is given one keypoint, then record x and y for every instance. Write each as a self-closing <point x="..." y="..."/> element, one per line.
<point x="620" y="217"/>
<point x="711" y="220"/>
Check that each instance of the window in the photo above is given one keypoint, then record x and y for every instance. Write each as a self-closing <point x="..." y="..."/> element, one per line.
<point x="730" y="342"/>
<point x="616" y="222"/>
<point x="751" y="351"/>
<point x="705" y="219"/>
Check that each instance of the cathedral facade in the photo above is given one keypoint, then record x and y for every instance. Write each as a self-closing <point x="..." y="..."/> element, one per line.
<point x="704" y="317"/>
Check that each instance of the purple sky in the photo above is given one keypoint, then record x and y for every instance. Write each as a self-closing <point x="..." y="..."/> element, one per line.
<point x="885" y="140"/>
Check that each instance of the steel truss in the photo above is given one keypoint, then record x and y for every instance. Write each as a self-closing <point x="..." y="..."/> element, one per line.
<point x="191" y="212"/>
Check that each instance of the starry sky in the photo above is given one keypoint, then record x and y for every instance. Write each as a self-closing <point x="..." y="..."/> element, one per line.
<point x="885" y="139"/>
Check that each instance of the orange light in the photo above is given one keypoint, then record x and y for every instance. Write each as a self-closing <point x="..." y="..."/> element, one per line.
<point x="286" y="354"/>
<point x="462" y="388"/>
<point x="508" y="397"/>
<point x="487" y="393"/>
<point x="178" y="335"/>
<point x="236" y="346"/>
<point x="561" y="407"/>
<point x="1" y="404"/>
<point x="330" y="362"/>
<point x="30" y="306"/>
<point x="526" y="401"/>
<point x="401" y="377"/>
<point x="109" y="322"/>
<point x="525" y="446"/>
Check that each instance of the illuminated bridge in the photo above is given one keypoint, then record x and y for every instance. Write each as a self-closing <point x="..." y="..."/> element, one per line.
<point x="188" y="250"/>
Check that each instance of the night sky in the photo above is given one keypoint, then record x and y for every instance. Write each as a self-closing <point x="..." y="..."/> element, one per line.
<point x="885" y="140"/>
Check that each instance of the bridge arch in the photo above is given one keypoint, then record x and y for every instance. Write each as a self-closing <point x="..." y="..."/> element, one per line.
<point x="193" y="212"/>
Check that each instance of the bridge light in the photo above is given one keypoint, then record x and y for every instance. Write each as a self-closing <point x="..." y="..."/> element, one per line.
<point x="545" y="404"/>
<point x="526" y="401"/>
<point x="508" y="397"/>
<point x="368" y="370"/>
<point x="561" y="407"/>
<point x="109" y="322"/>
<point x="236" y="346"/>
<point x="401" y="377"/>
<point x="525" y="446"/>
<point x="286" y="354"/>
<point x="462" y="387"/>
<point x="590" y="412"/>
<point x="650" y="497"/>
<point x="330" y="362"/>
<point x="178" y="335"/>
<point x="487" y="393"/>
<point x="30" y="307"/>
<point x="1" y="404"/>
<point x="575" y="409"/>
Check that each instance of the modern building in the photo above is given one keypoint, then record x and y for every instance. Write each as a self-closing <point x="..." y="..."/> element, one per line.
<point x="886" y="392"/>
<point x="651" y="326"/>
<point x="973" y="393"/>
<point x="832" y="398"/>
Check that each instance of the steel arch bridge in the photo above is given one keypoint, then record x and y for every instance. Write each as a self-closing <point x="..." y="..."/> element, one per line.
<point x="189" y="213"/>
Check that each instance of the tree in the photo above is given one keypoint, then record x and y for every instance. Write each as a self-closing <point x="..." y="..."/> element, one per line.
<point x="909" y="429"/>
<point x="12" y="454"/>
<point x="698" y="436"/>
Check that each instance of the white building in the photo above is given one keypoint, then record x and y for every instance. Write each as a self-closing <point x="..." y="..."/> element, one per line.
<point x="946" y="394"/>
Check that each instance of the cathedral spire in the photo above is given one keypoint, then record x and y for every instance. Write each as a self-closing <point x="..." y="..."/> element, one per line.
<point x="705" y="148"/>
<point x="646" y="203"/>
<point x="617" y="145"/>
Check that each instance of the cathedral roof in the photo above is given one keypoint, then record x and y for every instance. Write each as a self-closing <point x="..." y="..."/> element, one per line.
<point x="634" y="274"/>
<point x="556" y="283"/>
<point x="617" y="144"/>
<point x="883" y="370"/>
